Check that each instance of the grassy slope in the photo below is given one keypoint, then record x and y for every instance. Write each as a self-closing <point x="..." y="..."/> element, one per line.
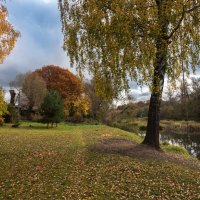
<point x="37" y="163"/>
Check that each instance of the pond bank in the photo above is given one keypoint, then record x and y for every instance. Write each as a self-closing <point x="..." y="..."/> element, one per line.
<point x="171" y="132"/>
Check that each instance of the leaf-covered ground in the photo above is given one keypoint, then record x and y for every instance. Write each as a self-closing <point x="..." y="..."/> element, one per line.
<point x="83" y="162"/>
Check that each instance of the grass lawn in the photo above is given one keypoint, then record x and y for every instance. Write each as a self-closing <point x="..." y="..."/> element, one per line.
<point x="89" y="162"/>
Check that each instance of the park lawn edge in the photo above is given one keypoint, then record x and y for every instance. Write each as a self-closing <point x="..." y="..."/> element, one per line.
<point x="176" y="150"/>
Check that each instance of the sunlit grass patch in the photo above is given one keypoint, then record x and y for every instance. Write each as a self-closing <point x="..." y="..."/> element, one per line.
<point x="175" y="149"/>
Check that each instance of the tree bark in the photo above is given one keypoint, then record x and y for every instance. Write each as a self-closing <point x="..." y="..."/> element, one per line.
<point x="152" y="133"/>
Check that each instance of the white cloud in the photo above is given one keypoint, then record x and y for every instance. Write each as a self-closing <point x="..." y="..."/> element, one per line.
<point x="37" y="1"/>
<point x="41" y="38"/>
<point x="48" y="1"/>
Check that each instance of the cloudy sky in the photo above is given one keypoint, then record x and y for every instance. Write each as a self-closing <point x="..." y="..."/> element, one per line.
<point x="41" y="38"/>
<point x="41" y="41"/>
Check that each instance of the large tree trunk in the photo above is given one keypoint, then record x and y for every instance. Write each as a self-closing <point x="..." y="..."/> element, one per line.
<point x="152" y="133"/>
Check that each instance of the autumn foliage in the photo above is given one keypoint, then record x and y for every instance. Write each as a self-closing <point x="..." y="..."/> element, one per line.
<point x="3" y="106"/>
<point x="79" y="107"/>
<point x="68" y="85"/>
<point x="62" y="80"/>
<point x="8" y="35"/>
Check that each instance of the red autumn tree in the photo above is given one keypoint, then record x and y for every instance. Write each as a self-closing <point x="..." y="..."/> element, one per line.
<point x="62" y="80"/>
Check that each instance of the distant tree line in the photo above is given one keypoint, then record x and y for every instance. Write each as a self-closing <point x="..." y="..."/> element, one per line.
<point x="53" y="94"/>
<point x="182" y="103"/>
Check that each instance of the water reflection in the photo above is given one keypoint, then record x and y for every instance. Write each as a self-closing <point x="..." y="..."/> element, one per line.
<point x="191" y="141"/>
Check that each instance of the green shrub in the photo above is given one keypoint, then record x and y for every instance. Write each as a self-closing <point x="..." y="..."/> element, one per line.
<point x="12" y="116"/>
<point x="175" y="149"/>
<point x="142" y="128"/>
<point x="165" y="143"/>
<point x="35" y="118"/>
<point x="75" y="118"/>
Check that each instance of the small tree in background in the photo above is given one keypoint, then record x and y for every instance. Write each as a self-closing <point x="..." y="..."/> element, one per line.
<point x="98" y="104"/>
<point x="30" y="92"/>
<point x="78" y="109"/>
<point x="52" y="108"/>
<point x="18" y="81"/>
<point x="194" y="101"/>
<point x="12" y="116"/>
<point x="3" y="107"/>
<point x="34" y="87"/>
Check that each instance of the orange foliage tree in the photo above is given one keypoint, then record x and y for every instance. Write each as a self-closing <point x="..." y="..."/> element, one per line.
<point x="8" y="35"/>
<point x="62" y="80"/>
<point x="68" y="85"/>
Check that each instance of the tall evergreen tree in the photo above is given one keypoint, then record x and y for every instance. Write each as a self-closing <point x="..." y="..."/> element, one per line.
<point x="52" y="108"/>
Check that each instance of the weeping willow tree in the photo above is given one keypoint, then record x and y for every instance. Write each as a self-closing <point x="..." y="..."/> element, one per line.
<point x="142" y="40"/>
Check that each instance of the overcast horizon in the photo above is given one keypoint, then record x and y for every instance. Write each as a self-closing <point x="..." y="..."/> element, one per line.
<point x="38" y="22"/>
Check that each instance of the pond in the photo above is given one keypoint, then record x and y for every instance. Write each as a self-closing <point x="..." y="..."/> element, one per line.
<point x="190" y="141"/>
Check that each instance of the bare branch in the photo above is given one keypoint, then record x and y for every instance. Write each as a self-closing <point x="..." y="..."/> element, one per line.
<point x="192" y="9"/>
<point x="177" y="26"/>
<point x="181" y="19"/>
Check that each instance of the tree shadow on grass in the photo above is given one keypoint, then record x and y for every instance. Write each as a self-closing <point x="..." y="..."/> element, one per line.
<point x="34" y="127"/>
<point x="127" y="147"/>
